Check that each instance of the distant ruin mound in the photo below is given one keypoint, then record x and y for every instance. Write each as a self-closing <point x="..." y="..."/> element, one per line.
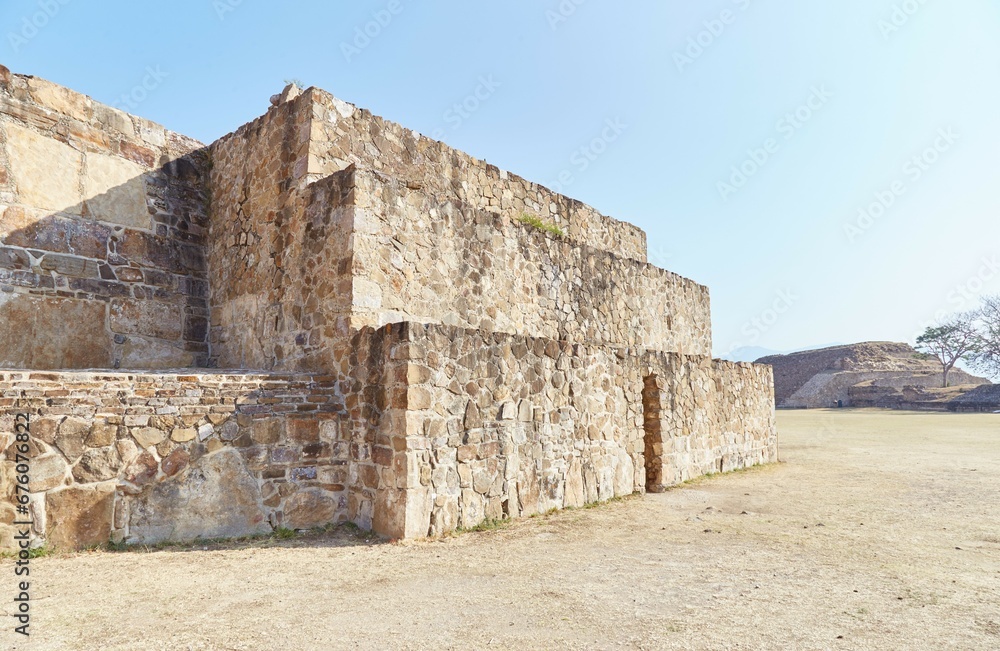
<point x="825" y="378"/>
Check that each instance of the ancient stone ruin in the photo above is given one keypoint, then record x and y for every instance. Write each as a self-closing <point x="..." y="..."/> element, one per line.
<point x="325" y="317"/>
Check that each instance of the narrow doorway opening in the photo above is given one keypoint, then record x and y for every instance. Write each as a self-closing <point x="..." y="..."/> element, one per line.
<point x="653" y="452"/>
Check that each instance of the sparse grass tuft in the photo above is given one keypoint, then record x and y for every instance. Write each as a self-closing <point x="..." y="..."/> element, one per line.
<point x="284" y="533"/>
<point x="34" y="552"/>
<point x="41" y="552"/>
<point x="486" y="525"/>
<point x="536" y="222"/>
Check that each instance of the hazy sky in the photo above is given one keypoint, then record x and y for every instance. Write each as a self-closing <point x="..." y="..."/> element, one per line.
<point x="646" y="110"/>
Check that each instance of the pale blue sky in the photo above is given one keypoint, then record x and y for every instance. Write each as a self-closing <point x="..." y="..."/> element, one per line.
<point x="548" y="87"/>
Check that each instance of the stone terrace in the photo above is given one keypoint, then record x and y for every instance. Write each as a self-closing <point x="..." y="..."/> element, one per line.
<point x="404" y="352"/>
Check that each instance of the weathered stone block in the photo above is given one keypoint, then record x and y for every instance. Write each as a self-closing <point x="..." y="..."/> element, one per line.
<point x="161" y="320"/>
<point x="149" y="437"/>
<point x="115" y="191"/>
<point x="184" y="435"/>
<point x="71" y="437"/>
<point x="102" y="435"/>
<point x="215" y="497"/>
<point x="45" y="171"/>
<point x="79" y="516"/>
<point x="310" y="508"/>
<point x="53" y="333"/>
<point x="47" y="472"/>
<point x="96" y="465"/>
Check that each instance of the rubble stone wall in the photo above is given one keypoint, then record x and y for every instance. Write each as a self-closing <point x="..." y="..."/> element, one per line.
<point x="279" y="248"/>
<point x="143" y="458"/>
<point x="713" y="416"/>
<point x="344" y="135"/>
<point x="419" y="257"/>
<point x="503" y="425"/>
<point x="102" y="228"/>
<point x="412" y="357"/>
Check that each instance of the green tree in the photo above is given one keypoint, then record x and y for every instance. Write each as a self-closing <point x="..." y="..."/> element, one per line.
<point x="955" y="341"/>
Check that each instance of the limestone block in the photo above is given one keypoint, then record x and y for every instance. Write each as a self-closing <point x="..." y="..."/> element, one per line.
<point x="508" y="411"/>
<point x="215" y="497"/>
<point x="97" y="464"/>
<point x="148" y="437"/>
<point x="473" y="509"/>
<point x="444" y="517"/>
<point x="389" y="516"/>
<point x="310" y="508"/>
<point x="115" y="191"/>
<point x="140" y="352"/>
<point x="71" y="437"/>
<point x="268" y="431"/>
<point x="47" y="472"/>
<point x="52" y="333"/>
<point x="61" y="99"/>
<point x="45" y="171"/>
<point x="102" y="435"/>
<point x="160" y="320"/>
<point x="574" y="495"/>
<point x="183" y="435"/>
<point x="79" y="516"/>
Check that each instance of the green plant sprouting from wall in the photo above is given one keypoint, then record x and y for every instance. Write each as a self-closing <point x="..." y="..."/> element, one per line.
<point x="536" y="222"/>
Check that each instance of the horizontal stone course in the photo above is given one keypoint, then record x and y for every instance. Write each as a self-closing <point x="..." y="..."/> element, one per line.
<point x="97" y="206"/>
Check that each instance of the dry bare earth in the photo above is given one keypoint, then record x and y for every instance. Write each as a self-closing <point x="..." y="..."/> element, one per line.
<point x="879" y="531"/>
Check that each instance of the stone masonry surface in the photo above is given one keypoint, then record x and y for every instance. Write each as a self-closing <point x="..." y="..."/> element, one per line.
<point x="400" y="349"/>
<point x="103" y="218"/>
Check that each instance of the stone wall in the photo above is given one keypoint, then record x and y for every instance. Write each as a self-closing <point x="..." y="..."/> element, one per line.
<point x="143" y="458"/>
<point x="412" y="357"/>
<point x="501" y="425"/>
<point x="431" y="428"/>
<point x="102" y="226"/>
<point x="279" y="248"/>
<point x="419" y="257"/>
<point x="344" y="135"/>
<point x="300" y="265"/>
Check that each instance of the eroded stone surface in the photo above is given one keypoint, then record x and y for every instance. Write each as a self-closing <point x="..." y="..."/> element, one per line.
<point x="216" y="497"/>
<point x="46" y="172"/>
<point x="310" y="508"/>
<point x="80" y="516"/>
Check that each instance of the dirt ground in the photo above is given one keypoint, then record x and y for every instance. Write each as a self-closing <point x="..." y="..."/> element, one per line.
<point x="880" y="530"/>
